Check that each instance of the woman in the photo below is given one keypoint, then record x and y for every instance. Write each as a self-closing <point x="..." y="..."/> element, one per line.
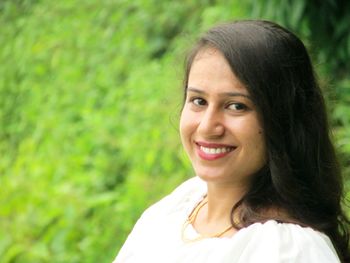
<point x="267" y="186"/>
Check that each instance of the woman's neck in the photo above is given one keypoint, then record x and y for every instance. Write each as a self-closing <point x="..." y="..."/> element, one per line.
<point x="221" y="198"/>
<point x="215" y="215"/>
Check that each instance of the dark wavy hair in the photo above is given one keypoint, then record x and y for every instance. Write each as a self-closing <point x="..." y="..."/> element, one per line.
<point x="302" y="176"/>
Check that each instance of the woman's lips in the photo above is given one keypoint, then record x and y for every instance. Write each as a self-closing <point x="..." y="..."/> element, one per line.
<point x="213" y="151"/>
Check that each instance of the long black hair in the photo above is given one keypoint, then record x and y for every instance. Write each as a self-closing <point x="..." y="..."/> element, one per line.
<point x="302" y="176"/>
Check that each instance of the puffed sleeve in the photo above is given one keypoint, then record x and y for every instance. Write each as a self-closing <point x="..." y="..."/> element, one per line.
<point x="274" y="242"/>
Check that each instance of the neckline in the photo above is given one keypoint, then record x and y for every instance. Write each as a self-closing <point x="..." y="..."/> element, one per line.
<point x="188" y="228"/>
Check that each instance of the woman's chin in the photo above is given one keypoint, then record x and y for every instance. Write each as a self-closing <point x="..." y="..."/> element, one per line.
<point x="215" y="176"/>
<point x="212" y="177"/>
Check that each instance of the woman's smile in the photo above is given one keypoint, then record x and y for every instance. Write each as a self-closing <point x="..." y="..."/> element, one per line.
<point x="213" y="151"/>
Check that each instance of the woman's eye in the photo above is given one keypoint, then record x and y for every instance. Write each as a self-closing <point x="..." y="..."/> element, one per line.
<point x="198" y="101"/>
<point x="237" y="106"/>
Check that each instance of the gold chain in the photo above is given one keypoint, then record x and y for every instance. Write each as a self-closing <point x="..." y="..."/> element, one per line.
<point x="190" y="220"/>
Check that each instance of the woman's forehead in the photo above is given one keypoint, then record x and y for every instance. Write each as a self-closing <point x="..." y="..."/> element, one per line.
<point x="211" y="69"/>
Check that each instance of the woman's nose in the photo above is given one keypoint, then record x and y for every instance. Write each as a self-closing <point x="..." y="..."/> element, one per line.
<point x="211" y="124"/>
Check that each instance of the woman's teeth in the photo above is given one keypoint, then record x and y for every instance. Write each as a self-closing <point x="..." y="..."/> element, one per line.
<point x="215" y="150"/>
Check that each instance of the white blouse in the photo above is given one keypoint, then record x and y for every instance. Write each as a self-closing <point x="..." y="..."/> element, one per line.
<point x="157" y="237"/>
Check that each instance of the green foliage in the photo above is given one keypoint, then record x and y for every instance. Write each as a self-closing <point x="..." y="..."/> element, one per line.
<point x="90" y="99"/>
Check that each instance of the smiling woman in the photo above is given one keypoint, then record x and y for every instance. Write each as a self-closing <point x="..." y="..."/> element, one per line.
<point x="267" y="185"/>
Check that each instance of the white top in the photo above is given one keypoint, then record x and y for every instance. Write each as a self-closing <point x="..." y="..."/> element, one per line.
<point x="156" y="237"/>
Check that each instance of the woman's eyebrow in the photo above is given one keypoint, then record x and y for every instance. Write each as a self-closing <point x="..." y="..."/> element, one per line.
<point x="230" y="94"/>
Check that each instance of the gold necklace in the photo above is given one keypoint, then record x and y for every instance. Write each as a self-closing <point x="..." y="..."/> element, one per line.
<point x="190" y="220"/>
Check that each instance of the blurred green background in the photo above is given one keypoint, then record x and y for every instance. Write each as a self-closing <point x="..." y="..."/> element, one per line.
<point x="90" y="96"/>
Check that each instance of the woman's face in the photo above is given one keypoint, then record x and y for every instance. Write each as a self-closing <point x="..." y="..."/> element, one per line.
<point x="219" y="124"/>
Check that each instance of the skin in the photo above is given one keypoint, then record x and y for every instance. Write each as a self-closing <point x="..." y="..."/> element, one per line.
<point x="218" y="113"/>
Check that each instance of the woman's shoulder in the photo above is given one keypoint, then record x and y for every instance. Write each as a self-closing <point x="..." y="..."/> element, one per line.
<point x="190" y="189"/>
<point x="288" y="242"/>
<point x="180" y="198"/>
